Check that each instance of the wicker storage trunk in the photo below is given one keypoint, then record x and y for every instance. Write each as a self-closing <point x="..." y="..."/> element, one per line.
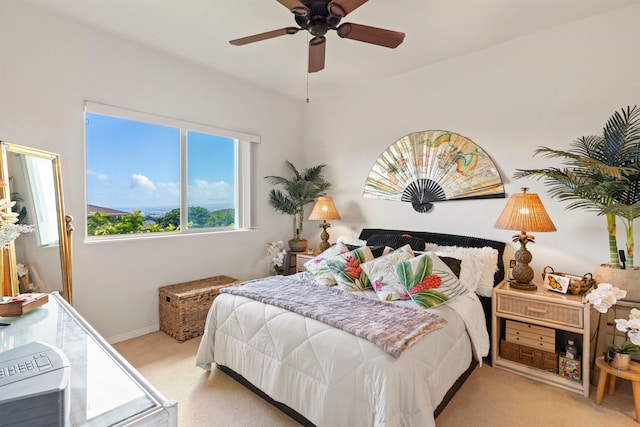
<point x="184" y="307"/>
<point x="529" y="356"/>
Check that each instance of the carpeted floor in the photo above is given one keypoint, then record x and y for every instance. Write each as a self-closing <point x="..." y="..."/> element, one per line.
<point x="490" y="397"/>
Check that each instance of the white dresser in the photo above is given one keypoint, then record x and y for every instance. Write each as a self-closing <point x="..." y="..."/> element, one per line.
<point x="104" y="388"/>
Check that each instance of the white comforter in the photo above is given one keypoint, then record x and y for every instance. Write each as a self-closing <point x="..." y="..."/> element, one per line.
<point x="334" y="378"/>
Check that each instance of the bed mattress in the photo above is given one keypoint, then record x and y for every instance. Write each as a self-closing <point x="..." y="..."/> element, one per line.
<point x="334" y="378"/>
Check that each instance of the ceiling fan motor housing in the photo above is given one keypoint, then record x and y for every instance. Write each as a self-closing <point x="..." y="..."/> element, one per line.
<point x="319" y="20"/>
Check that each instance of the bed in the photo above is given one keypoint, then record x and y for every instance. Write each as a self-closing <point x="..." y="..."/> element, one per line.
<point x="322" y="375"/>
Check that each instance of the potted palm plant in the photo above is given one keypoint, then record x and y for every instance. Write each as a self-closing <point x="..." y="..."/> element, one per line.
<point x="601" y="174"/>
<point x="296" y="192"/>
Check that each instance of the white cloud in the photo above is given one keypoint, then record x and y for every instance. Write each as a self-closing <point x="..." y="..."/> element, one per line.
<point x="139" y="181"/>
<point x="98" y="175"/>
<point x="170" y="188"/>
<point x="206" y="192"/>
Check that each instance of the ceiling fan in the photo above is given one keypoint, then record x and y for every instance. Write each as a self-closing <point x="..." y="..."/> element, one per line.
<point x="320" y="16"/>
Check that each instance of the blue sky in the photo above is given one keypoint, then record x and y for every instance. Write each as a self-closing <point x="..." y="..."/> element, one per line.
<point x="136" y="165"/>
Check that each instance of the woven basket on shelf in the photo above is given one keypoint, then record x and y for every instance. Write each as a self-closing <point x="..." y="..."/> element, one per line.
<point x="534" y="357"/>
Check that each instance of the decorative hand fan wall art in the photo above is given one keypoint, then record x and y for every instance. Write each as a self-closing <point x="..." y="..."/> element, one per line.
<point x="432" y="166"/>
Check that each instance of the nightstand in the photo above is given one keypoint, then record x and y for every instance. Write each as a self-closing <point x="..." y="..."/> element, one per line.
<point x="290" y="262"/>
<point x="566" y="316"/>
<point x="301" y="258"/>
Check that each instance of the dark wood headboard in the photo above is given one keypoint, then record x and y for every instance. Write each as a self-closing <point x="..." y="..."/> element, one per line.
<point x="448" y="240"/>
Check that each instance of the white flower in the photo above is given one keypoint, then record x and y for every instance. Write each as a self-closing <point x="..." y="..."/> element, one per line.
<point x="631" y="327"/>
<point x="276" y="253"/>
<point x="605" y="296"/>
<point x="602" y="299"/>
<point x="634" y="336"/>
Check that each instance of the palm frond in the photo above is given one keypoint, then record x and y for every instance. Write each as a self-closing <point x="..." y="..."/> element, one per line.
<point x="293" y="169"/>
<point x="280" y="202"/>
<point x="314" y="173"/>
<point x="622" y="134"/>
<point x="628" y="212"/>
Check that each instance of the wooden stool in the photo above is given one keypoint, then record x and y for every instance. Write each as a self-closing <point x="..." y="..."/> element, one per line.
<point x="633" y="374"/>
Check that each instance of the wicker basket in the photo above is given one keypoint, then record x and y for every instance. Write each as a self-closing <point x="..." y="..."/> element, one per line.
<point x="529" y="356"/>
<point x="184" y="307"/>
<point x="577" y="285"/>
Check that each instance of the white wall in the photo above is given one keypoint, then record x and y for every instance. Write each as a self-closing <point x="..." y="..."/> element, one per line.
<point x="545" y="89"/>
<point x="49" y="66"/>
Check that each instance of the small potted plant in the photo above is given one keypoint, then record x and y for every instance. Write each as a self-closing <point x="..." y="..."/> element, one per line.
<point x="295" y="194"/>
<point x="602" y="299"/>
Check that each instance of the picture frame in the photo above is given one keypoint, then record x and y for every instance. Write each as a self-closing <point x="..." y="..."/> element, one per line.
<point x="556" y="283"/>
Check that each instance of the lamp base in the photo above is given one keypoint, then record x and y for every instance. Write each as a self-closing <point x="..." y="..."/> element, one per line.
<point x="522" y="272"/>
<point x="524" y="286"/>
<point x="324" y="236"/>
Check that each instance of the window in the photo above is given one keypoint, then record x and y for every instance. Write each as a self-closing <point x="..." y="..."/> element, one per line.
<point x="146" y="173"/>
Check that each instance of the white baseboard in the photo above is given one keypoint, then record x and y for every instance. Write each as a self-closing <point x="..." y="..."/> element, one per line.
<point x="134" y="334"/>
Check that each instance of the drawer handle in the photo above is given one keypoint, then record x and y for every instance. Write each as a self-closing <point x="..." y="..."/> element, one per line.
<point x="537" y="310"/>
<point x="524" y="354"/>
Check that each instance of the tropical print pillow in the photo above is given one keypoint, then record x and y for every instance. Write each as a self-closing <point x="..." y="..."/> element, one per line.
<point x="346" y="269"/>
<point x="317" y="266"/>
<point x="382" y="274"/>
<point x="429" y="280"/>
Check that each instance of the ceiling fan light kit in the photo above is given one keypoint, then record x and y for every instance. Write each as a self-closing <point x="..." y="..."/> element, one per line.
<point x="318" y="17"/>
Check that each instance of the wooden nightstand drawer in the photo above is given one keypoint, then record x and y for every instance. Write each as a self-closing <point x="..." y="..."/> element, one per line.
<point x="530" y="335"/>
<point x="540" y="310"/>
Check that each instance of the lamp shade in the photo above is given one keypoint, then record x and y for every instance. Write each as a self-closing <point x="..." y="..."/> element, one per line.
<point x="525" y="212"/>
<point x="324" y="209"/>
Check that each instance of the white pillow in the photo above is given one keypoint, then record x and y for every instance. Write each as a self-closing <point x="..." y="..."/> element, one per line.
<point x="350" y="240"/>
<point x="470" y="268"/>
<point x="486" y="258"/>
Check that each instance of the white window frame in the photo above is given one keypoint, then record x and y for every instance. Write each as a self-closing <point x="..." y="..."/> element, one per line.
<point x="244" y="188"/>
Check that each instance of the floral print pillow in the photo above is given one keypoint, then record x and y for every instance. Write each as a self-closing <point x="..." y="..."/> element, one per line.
<point x="382" y="274"/>
<point x="318" y="268"/>
<point x="347" y="270"/>
<point x="429" y="280"/>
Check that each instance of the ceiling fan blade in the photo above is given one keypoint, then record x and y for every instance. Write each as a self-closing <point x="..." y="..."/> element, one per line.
<point x="341" y="8"/>
<point x="373" y="35"/>
<point x="295" y="6"/>
<point x="264" y="36"/>
<point x="317" y="46"/>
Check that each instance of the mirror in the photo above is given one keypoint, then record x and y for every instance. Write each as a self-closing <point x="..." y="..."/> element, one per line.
<point x="39" y="261"/>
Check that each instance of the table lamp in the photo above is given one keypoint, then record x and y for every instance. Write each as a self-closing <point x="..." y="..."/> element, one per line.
<point x="524" y="212"/>
<point x="324" y="209"/>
